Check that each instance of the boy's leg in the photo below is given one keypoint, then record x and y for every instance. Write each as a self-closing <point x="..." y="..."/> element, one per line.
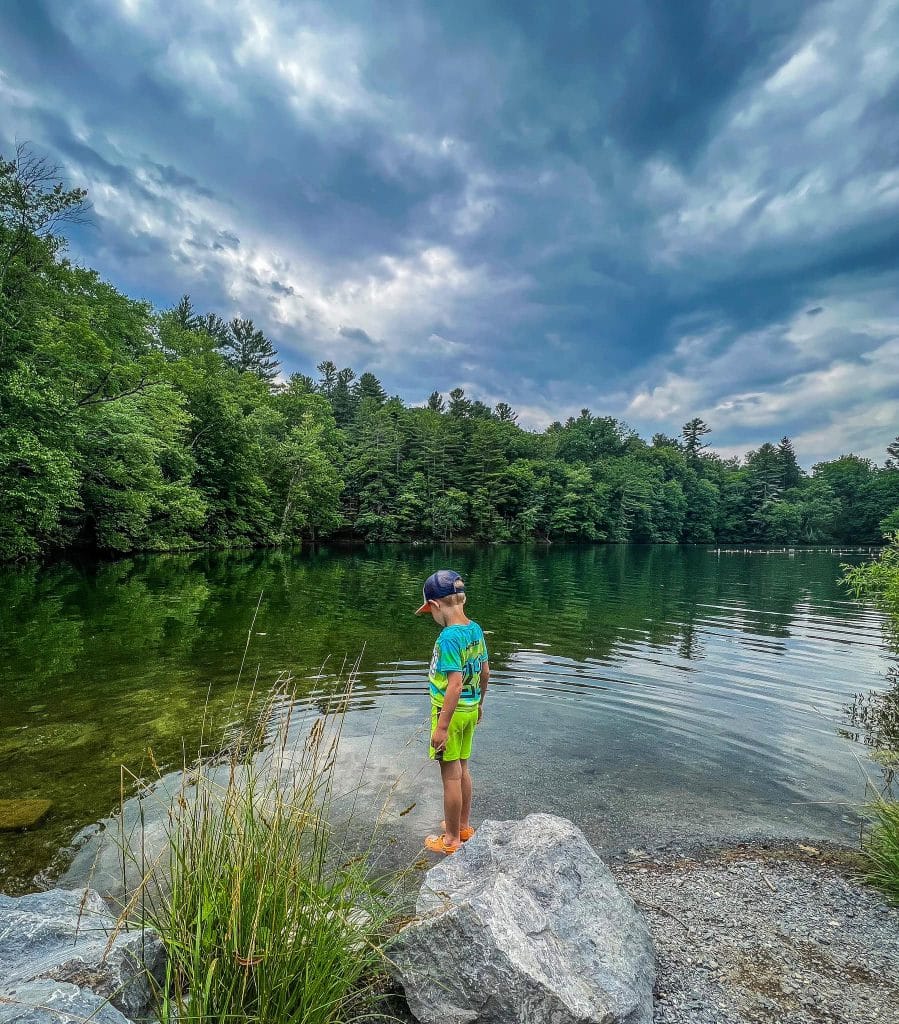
<point x="465" y="820"/>
<point x="451" y="773"/>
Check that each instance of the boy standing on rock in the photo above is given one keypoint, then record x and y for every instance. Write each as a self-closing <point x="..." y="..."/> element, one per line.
<point x="458" y="679"/>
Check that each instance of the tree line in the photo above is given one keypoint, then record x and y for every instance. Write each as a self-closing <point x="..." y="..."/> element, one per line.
<point x="126" y="428"/>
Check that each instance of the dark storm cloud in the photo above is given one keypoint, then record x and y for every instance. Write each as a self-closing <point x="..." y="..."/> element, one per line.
<point x="355" y="334"/>
<point x="657" y="210"/>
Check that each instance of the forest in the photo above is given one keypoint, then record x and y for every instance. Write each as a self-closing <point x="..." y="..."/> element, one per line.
<point x="126" y="428"/>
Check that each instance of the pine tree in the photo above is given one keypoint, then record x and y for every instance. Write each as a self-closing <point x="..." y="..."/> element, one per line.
<point x="459" y="405"/>
<point x="505" y="413"/>
<point x="368" y="386"/>
<point x="327" y="378"/>
<point x="790" y="473"/>
<point x="342" y="399"/>
<point x="693" y="433"/>
<point x="765" y="473"/>
<point x="185" y="316"/>
<point x="249" y="351"/>
<point x="436" y="402"/>
<point x="213" y="325"/>
<point x="300" y="383"/>
<point x="480" y="411"/>
<point x="893" y="454"/>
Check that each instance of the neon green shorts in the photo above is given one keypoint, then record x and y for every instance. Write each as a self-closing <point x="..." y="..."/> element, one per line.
<point x="459" y="735"/>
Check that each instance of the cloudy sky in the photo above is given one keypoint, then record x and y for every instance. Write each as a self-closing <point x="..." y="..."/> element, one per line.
<point x="653" y="209"/>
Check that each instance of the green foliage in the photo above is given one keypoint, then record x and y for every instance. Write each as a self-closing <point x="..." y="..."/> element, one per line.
<point x="877" y="713"/>
<point x="263" y="916"/>
<point x="877" y="579"/>
<point x="890" y="523"/>
<point x="122" y="429"/>
<point x="693" y="433"/>
<point x="246" y="348"/>
<point x="881" y="847"/>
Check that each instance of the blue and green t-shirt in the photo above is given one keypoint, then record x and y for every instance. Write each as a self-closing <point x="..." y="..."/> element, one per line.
<point x="458" y="649"/>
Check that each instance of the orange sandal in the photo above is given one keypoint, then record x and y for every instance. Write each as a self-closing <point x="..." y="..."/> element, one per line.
<point x="437" y="844"/>
<point x="464" y="834"/>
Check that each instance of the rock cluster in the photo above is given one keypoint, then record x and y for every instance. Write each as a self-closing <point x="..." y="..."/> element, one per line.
<point x="61" y="960"/>
<point x="526" y="924"/>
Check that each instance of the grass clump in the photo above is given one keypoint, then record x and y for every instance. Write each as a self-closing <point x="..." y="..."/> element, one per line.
<point x="881" y="847"/>
<point x="264" y="916"/>
<point x="878" y="713"/>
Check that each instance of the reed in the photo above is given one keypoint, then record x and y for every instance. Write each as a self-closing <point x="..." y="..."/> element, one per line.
<point x="881" y="847"/>
<point x="264" y="916"/>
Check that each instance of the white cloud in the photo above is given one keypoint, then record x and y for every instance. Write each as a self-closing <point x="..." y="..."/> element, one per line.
<point x="827" y="370"/>
<point x="779" y="178"/>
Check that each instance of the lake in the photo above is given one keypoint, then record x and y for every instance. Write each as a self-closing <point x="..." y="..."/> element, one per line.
<point x="648" y="693"/>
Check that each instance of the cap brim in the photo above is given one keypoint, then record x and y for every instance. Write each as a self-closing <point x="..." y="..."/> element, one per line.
<point x="426" y="607"/>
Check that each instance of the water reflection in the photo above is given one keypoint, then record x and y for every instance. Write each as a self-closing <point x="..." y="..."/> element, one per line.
<point x="632" y="685"/>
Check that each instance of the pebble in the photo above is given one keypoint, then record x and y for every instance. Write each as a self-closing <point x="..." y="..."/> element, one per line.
<point x="821" y="947"/>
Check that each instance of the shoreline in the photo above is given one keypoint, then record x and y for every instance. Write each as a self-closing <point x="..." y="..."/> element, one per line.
<point x="87" y="555"/>
<point x="766" y="931"/>
<point x="758" y="929"/>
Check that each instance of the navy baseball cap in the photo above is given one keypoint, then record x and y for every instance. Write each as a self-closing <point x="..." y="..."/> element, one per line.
<point x="440" y="584"/>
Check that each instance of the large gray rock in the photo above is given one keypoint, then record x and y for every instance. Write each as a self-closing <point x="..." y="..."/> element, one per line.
<point x="56" y="1002"/>
<point x="65" y="936"/>
<point x="525" y="924"/>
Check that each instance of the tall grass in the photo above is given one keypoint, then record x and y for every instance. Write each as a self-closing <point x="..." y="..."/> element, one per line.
<point x="881" y="847"/>
<point x="878" y="580"/>
<point x="264" y="916"/>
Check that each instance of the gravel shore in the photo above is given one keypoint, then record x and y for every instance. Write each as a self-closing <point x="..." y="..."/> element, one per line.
<point x="753" y="933"/>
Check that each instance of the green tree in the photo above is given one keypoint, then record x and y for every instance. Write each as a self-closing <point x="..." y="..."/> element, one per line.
<point x="38" y="453"/>
<point x="248" y="350"/>
<point x="450" y="513"/>
<point x="436" y="402"/>
<point x="368" y="386"/>
<point x="790" y="473"/>
<point x="505" y="413"/>
<point x="459" y="405"/>
<point x="818" y="508"/>
<point x="889" y="525"/>
<point x="703" y="504"/>
<point x="213" y="325"/>
<point x="305" y="483"/>
<point x="692" y="432"/>
<point x="136" y="482"/>
<point x="850" y="479"/>
<point x="343" y="400"/>
<point x="185" y="316"/>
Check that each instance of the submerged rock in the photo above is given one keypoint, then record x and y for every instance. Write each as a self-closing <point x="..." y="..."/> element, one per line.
<point x="526" y="924"/>
<point x="65" y="937"/>
<point x="19" y="814"/>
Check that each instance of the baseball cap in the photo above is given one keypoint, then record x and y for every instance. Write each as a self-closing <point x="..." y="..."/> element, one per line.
<point x="440" y="584"/>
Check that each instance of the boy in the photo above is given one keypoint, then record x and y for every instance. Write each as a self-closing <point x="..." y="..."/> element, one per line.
<point x="458" y="679"/>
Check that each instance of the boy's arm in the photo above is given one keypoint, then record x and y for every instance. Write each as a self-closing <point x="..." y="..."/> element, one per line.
<point x="485" y="679"/>
<point x="450" y="700"/>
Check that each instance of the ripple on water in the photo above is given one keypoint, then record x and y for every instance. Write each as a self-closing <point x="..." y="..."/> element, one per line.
<point x="640" y="691"/>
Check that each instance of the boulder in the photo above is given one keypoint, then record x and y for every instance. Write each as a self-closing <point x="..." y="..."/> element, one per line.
<point x="54" y="1002"/>
<point x="65" y="936"/>
<point x="525" y="924"/>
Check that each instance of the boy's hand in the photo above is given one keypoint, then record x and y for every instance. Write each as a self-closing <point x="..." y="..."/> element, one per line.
<point x="438" y="738"/>
<point x="480" y="712"/>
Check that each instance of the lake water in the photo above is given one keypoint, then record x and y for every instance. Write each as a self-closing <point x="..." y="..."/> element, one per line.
<point x="648" y="693"/>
